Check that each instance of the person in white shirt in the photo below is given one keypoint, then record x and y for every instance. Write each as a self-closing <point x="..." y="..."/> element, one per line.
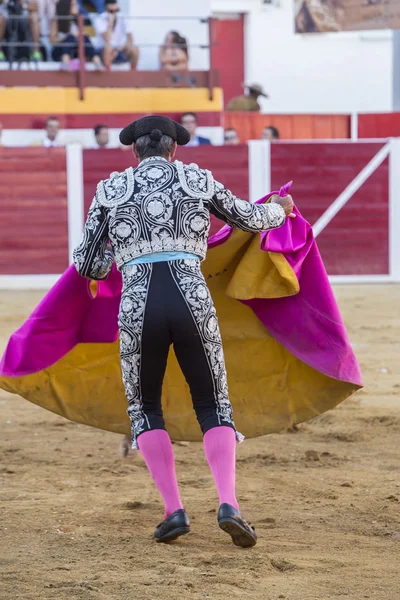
<point x="52" y="139"/>
<point x="115" y="43"/>
<point x="102" y="136"/>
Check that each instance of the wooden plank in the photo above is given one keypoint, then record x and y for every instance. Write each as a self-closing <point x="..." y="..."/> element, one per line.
<point x="33" y="211"/>
<point x="106" y="79"/>
<point x="82" y="121"/>
<point x="356" y="240"/>
<point x="379" y="125"/>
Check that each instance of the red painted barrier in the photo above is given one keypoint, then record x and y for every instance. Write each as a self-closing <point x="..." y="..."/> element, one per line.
<point x="33" y="211"/>
<point x="85" y="121"/>
<point x="231" y="168"/>
<point x="373" y="126"/>
<point x="249" y="126"/>
<point x="33" y="192"/>
<point x="356" y="241"/>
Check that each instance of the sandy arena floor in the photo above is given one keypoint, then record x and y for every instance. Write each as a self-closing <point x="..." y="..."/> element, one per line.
<point x="76" y="520"/>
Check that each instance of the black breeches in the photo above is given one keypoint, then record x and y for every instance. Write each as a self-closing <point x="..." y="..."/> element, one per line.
<point x="162" y="304"/>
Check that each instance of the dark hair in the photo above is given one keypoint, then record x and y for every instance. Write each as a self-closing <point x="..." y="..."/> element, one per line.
<point x="63" y="9"/>
<point x="231" y="129"/>
<point x="98" y="128"/>
<point x="110" y="2"/>
<point x="182" y="43"/>
<point x="154" y="144"/>
<point x="179" y="41"/>
<point x="175" y="36"/>
<point x="189" y="114"/>
<point x="274" y="131"/>
<point x="51" y="119"/>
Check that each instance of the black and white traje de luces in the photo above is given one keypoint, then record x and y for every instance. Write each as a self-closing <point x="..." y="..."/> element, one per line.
<point x="165" y="207"/>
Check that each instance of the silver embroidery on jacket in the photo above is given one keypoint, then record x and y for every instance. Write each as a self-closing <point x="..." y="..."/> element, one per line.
<point x="195" y="181"/>
<point x="161" y="206"/>
<point x="117" y="189"/>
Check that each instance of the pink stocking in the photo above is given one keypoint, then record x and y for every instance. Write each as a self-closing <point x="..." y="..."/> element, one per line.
<point x="220" y="450"/>
<point x="156" y="449"/>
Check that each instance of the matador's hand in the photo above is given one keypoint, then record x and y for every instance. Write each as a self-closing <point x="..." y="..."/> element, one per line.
<point x="287" y="204"/>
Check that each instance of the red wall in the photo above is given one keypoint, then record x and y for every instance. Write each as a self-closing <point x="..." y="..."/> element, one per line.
<point x="33" y="206"/>
<point x="33" y="211"/>
<point x="230" y="168"/>
<point x="291" y="127"/>
<point x="85" y="121"/>
<point x="356" y="240"/>
<point x="379" y="125"/>
<point x="248" y="125"/>
<point x="228" y="41"/>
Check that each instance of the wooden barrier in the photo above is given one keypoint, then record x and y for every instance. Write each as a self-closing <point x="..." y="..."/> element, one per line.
<point x="356" y="241"/>
<point x="248" y="125"/>
<point x="291" y="127"/>
<point x="33" y="211"/>
<point x="383" y="125"/>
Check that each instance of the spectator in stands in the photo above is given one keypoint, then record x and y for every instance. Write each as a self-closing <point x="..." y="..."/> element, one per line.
<point x="47" y="11"/>
<point x="115" y="42"/>
<point x="1" y="133"/>
<point x="52" y="139"/>
<point x="174" y="54"/>
<point x="270" y="133"/>
<point x="248" y="102"/>
<point x="64" y="36"/>
<point x="3" y="25"/>
<point x="231" y="137"/>
<point x="24" y="28"/>
<point x="102" y="136"/>
<point x="189" y="122"/>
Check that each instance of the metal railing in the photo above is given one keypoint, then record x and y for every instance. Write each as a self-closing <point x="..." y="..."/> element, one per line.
<point x="82" y="22"/>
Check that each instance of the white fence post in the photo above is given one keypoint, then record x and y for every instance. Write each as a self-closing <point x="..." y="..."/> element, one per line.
<point x="354" y="127"/>
<point x="259" y="169"/>
<point x="75" y="196"/>
<point x="394" y="210"/>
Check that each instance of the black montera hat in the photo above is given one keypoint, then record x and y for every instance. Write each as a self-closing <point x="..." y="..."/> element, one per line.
<point x="148" y="125"/>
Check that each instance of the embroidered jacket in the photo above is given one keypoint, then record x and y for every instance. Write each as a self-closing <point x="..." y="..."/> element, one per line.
<point x="161" y="206"/>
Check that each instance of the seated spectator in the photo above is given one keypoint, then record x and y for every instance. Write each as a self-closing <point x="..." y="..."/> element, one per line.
<point x="231" y="137"/>
<point x="189" y="122"/>
<point x="174" y="54"/>
<point x="270" y="133"/>
<point x="3" y="25"/>
<point x="248" y="102"/>
<point x="102" y="137"/>
<point x="19" y="22"/>
<point x="52" y="138"/>
<point x="47" y="11"/>
<point x="64" y="34"/>
<point x="115" y="42"/>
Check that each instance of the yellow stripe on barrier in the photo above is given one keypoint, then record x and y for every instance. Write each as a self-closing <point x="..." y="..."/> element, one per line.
<point x="108" y="100"/>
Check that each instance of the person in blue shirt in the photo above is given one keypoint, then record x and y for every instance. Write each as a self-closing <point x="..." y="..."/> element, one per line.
<point x="189" y="121"/>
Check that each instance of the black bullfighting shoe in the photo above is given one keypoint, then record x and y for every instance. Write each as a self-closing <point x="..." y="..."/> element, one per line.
<point x="231" y="521"/>
<point x="173" y="527"/>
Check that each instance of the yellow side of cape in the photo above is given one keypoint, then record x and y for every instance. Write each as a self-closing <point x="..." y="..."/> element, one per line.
<point x="270" y="389"/>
